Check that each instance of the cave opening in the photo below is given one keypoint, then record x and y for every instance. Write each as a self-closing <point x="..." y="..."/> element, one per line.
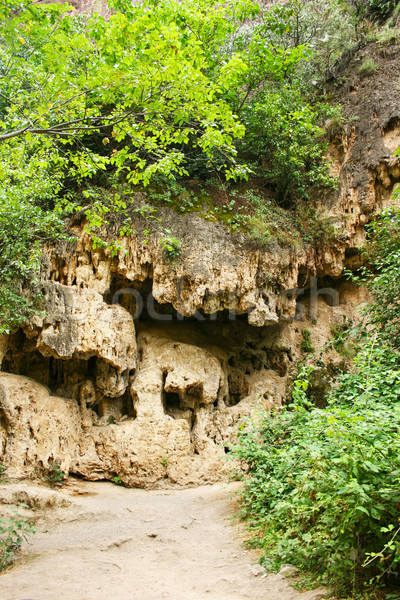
<point x="172" y="402"/>
<point x="137" y="298"/>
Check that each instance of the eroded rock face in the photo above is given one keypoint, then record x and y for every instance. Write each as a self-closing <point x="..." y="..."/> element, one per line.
<point x="156" y="406"/>
<point x="181" y="423"/>
<point x="35" y="427"/>
<point x="182" y="377"/>
<point x="217" y="271"/>
<point x="79" y="324"/>
<point x="171" y="419"/>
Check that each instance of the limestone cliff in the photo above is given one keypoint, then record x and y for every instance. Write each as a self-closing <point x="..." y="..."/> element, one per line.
<point x="141" y="365"/>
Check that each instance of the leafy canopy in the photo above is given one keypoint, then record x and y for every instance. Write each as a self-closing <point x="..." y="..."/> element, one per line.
<point x="82" y="95"/>
<point x="140" y="79"/>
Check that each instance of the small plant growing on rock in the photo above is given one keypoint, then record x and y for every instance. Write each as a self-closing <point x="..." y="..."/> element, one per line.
<point x="368" y="67"/>
<point x="165" y="461"/>
<point x="341" y="339"/>
<point x="54" y="474"/>
<point x="117" y="480"/>
<point x="13" y="531"/>
<point x="171" y="246"/>
<point x="3" y="470"/>
<point x="306" y="344"/>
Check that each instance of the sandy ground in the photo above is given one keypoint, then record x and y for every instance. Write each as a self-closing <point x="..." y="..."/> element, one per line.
<point x="112" y="543"/>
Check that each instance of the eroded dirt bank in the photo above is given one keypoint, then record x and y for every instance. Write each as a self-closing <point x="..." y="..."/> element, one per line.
<point x="101" y="542"/>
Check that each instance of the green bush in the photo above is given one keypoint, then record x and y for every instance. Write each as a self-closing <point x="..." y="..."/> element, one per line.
<point x="322" y="486"/>
<point x="306" y="344"/>
<point x="171" y="246"/>
<point x="54" y="474"/>
<point x="382" y="277"/>
<point x="368" y="67"/>
<point x="13" y="531"/>
<point x="286" y="143"/>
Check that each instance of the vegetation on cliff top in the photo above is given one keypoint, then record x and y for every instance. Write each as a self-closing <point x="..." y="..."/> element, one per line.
<point x="191" y="89"/>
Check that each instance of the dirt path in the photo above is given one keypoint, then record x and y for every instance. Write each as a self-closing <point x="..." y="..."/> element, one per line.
<point x="114" y="543"/>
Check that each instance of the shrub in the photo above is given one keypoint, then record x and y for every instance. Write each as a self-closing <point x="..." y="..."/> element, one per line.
<point x="368" y="67"/>
<point x="54" y="474"/>
<point x="306" y="344"/>
<point x="285" y="138"/>
<point x="13" y="531"/>
<point x="170" y="245"/>
<point x="322" y="486"/>
<point x="382" y="277"/>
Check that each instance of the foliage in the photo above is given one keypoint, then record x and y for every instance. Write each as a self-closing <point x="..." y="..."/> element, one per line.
<point x="85" y="96"/>
<point x="165" y="461"/>
<point x="169" y="192"/>
<point x="306" y="344"/>
<point x="54" y="474"/>
<point x="26" y="223"/>
<point x="284" y="141"/>
<point x="386" y="35"/>
<point x="169" y="244"/>
<point x="315" y="227"/>
<point x="368" y="67"/>
<point x="13" y="531"/>
<point x="378" y="10"/>
<point x="283" y="129"/>
<point x="137" y="82"/>
<point x="382" y="276"/>
<point x="342" y="335"/>
<point x="326" y="28"/>
<point x="322" y="484"/>
<point x="284" y="136"/>
<point x="271" y="223"/>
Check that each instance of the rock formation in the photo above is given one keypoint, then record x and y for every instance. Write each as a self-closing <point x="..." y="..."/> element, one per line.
<point x="142" y="366"/>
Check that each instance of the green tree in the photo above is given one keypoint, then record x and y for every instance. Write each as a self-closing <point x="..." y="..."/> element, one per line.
<point x="284" y="141"/>
<point x="139" y="79"/>
<point x="83" y="95"/>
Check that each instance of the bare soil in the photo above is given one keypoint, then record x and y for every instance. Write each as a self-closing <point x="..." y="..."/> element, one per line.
<point x="99" y="541"/>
